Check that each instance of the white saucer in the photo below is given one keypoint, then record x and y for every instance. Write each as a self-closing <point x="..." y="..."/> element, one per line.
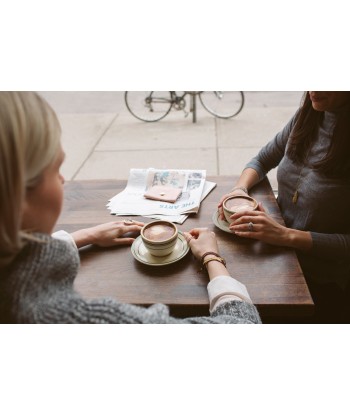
<point x="221" y="224"/>
<point x="141" y="253"/>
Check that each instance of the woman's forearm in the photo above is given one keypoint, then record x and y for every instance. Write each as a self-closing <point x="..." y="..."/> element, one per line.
<point x="297" y="239"/>
<point x="248" y="178"/>
<point x="215" y="269"/>
<point x="82" y="237"/>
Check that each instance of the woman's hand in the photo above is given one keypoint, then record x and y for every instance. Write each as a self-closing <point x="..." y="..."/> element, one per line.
<point x="201" y="240"/>
<point x="237" y="192"/>
<point x="259" y="225"/>
<point x="108" y="234"/>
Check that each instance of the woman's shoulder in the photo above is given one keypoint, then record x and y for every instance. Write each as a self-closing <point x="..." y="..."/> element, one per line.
<point x="43" y="257"/>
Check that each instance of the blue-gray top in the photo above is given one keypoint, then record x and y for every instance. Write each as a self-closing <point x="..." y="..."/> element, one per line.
<point x="323" y="204"/>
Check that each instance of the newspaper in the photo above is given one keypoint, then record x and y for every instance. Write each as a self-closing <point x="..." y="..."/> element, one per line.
<point x="131" y="200"/>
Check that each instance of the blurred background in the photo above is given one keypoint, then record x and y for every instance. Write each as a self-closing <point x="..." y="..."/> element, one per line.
<point x="102" y="140"/>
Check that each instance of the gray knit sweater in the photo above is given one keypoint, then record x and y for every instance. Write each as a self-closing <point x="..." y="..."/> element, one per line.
<point x="322" y="207"/>
<point x="38" y="288"/>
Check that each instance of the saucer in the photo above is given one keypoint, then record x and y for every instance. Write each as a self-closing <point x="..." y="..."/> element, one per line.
<point x="221" y="224"/>
<point x="141" y="254"/>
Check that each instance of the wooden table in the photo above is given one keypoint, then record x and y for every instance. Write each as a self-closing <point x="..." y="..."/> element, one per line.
<point x="272" y="274"/>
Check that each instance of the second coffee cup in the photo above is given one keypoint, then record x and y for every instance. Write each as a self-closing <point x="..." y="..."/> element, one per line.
<point x="234" y="204"/>
<point x="159" y="237"/>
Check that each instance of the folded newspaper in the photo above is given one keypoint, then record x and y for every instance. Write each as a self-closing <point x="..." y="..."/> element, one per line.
<point x="131" y="201"/>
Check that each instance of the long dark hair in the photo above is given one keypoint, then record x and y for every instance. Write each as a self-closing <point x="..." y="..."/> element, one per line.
<point x="336" y="162"/>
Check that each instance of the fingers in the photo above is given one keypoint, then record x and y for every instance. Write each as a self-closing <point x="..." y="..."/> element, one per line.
<point x="245" y="227"/>
<point x="198" y="234"/>
<point x="130" y="222"/>
<point x="247" y="213"/>
<point x="132" y="228"/>
<point x="261" y="207"/>
<point x="221" y="213"/>
<point x="246" y="219"/>
<point x="247" y="222"/>
<point x="123" y="241"/>
<point x="222" y="199"/>
<point x="197" y="231"/>
<point x="188" y="236"/>
<point x="201" y="240"/>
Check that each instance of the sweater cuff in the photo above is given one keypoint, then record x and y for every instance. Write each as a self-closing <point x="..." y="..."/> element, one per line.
<point x="64" y="236"/>
<point x="225" y="286"/>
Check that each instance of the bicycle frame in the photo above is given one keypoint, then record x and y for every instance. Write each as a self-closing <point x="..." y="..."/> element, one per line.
<point x="160" y="103"/>
<point x="175" y="99"/>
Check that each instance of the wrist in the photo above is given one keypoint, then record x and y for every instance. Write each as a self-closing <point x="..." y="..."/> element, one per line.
<point x="83" y="237"/>
<point x="216" y="269"/>
<point x="207" y="254"/>
<point x="297" y="239"/>
<point x="243" y="188"/>
<point x="214" y="264"/>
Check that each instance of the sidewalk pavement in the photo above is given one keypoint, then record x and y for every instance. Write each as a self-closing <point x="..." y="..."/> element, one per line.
<point x="102" y="140"/>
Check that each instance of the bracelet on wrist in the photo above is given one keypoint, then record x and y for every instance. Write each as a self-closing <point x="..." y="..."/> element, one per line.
<point x="208" y="253"/>
<point x="219" y="259"/>
<point x="216" y="257"/>
<point x="244" y="189"/>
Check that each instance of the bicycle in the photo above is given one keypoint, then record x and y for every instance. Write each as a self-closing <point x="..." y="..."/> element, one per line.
<point x="152" y="106"/>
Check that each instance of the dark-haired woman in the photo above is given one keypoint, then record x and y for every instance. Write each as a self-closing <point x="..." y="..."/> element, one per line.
<point x="312" y="153"/>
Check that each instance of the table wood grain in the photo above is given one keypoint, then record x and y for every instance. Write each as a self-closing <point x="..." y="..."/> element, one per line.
<point x="272" y="274"/>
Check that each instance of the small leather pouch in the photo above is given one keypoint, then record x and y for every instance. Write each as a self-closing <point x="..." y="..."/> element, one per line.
<point x="163" y="193"/>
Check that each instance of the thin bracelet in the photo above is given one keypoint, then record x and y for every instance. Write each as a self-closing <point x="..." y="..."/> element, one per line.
<point x="209" y="253"/>
<point x="245" y="190"/>
<point x="219" y="259"/>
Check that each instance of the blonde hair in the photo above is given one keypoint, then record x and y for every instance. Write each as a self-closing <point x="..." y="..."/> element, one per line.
<point x="29" y="142"/>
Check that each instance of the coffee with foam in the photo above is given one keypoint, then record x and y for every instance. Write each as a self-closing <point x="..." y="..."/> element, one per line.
<point x="234" y="204"/>
<point x="159" y="232"/>
<point x="240" y="203"/>
<point x="159" y="237"/>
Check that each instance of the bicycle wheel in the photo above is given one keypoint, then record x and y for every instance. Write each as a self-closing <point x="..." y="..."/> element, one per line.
<point x="222" y="104"/>
<point x="149" y="106"/>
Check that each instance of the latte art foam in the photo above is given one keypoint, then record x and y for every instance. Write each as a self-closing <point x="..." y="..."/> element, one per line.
<point x="238" y="204"/>
<point x="159" y="232"/>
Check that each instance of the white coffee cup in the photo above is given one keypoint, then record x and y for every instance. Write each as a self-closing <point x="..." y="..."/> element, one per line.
<point x="159" y="237"/>
<point x="234" y="204"/>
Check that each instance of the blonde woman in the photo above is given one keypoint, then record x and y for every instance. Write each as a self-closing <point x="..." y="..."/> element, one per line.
<point x="37" y="271"/>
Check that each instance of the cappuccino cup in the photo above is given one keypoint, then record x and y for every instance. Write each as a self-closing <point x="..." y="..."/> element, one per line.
<point x="234" y="204"/>
<point x="159" y="237"/>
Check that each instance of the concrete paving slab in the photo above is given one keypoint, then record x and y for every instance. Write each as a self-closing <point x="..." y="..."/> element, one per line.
<point x="253" y="127"/>
<point x="233" y="160"/>
<point x="117" y="164"/>
<point x="113" y="101"/>
<point x="80" y="134"/>
<point x="83" y="102"/>
<point x="128" y="133"/>
<point x="103" y="140"/>
<point x="263" y="99"/>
